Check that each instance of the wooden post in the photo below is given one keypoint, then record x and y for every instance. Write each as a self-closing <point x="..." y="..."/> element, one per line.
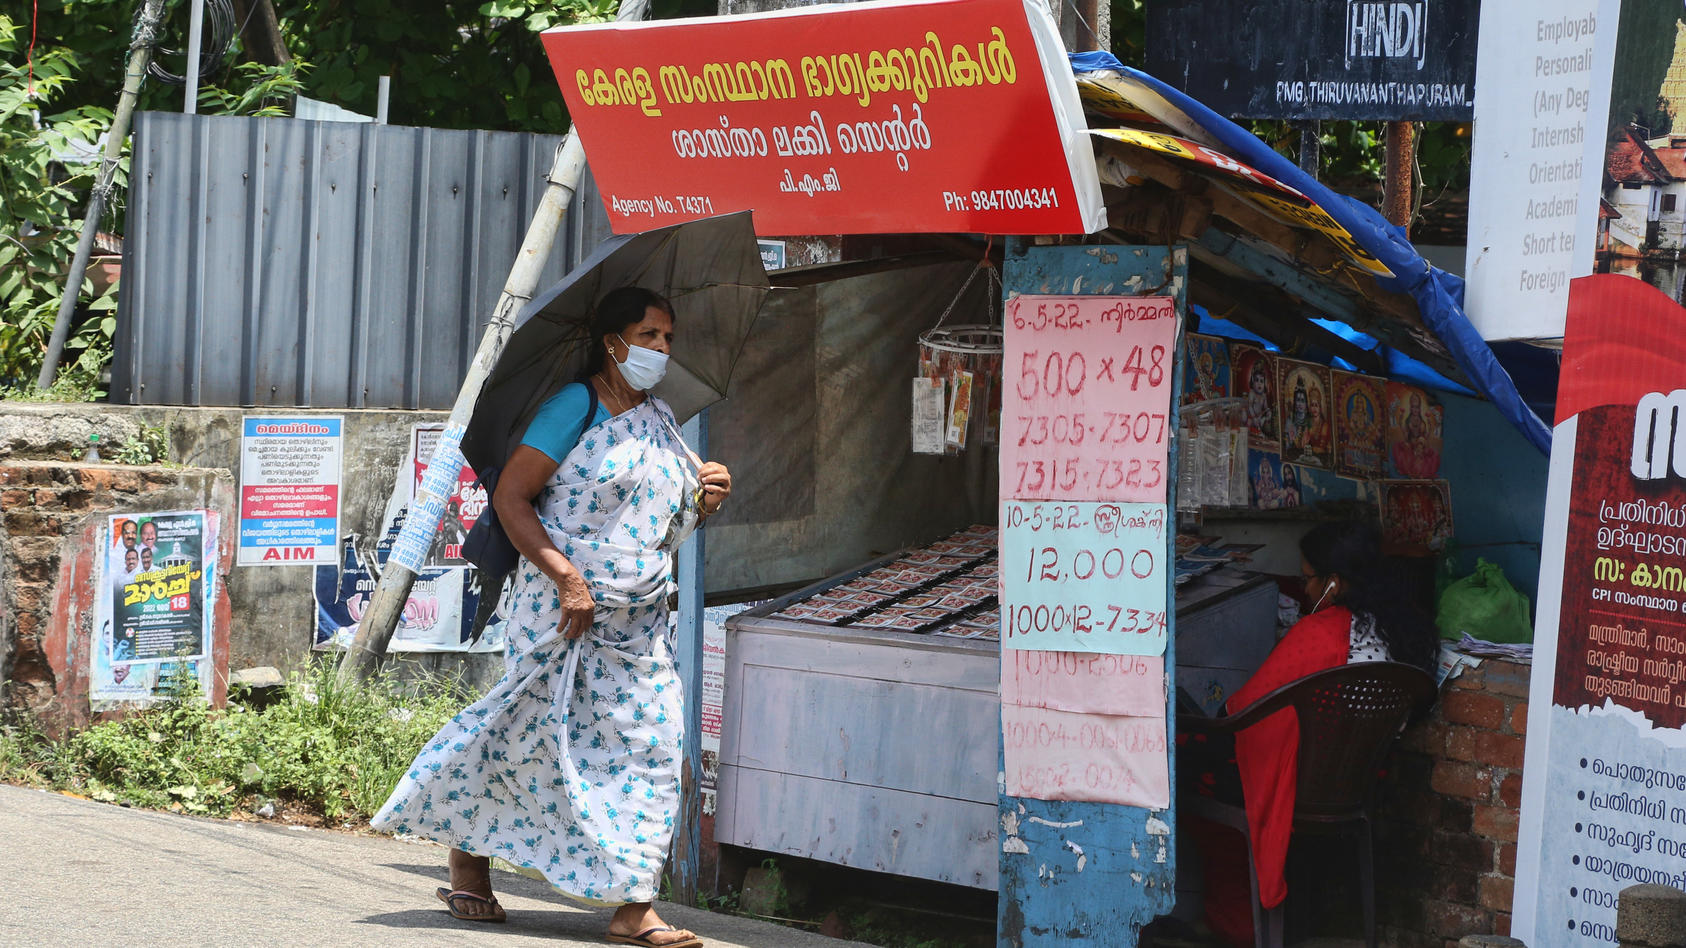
<point x="1399" y="180"/>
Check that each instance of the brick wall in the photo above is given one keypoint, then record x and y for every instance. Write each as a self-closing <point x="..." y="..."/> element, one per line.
<point x="51" y="519"/>
<point x="1446" y="847"/>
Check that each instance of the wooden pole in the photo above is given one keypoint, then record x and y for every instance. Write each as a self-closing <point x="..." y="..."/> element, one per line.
<point x="1399" y="180"/>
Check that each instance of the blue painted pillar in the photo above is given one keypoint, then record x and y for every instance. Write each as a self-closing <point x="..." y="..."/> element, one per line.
<point x="1094" y="873"/>
<point x="686" y="864"/>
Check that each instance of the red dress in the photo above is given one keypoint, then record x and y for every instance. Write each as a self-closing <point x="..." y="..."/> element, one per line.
<point x="1267" y="753"/>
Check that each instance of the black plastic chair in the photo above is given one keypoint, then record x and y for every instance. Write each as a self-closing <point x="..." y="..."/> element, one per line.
<point x="1349" y="717"/>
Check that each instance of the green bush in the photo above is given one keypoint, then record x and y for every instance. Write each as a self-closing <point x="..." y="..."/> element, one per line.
<point x="334" y="749"/>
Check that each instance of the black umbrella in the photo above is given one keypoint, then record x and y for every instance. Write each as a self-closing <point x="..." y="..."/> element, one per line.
<point x="711" y="271"/>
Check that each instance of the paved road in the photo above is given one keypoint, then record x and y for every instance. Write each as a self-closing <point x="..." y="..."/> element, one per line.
<point x="84" y="873"/>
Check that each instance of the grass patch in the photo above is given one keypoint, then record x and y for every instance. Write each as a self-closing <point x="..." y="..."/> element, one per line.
<point x="332" y="750"/>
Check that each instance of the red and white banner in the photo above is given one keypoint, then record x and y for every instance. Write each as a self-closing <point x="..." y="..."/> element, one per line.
<point x="1604" y="789"/>
<point x="904" y="117"/>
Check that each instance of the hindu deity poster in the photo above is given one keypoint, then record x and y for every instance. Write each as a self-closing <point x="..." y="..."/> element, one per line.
<point x="1360" y="425"/>
<point x="1413" y="431"/>
<point x="1304" y="391"/>
<point x="1417" y="513"/>
<point x="1252" y="373"/>
<point x="1206" y="374"/>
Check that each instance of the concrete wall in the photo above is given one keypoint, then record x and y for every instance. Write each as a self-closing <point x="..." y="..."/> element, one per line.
<point x="272" y="608"/>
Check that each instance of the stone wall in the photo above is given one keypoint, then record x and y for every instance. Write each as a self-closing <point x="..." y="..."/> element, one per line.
<point x="1446" y="847"/>
<point x="50" y="535"/>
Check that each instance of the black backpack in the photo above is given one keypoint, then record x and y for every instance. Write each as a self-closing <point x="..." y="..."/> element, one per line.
<point x="487" y="546"/>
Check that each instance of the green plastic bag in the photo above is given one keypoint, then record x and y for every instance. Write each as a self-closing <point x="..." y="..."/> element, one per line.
<point x="1485" y="605"/>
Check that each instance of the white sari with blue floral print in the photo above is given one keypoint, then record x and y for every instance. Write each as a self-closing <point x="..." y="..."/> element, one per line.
<point x="570" y="764"/>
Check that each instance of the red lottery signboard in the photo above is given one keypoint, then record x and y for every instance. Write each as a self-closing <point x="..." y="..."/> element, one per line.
<point x="937" y="116"/>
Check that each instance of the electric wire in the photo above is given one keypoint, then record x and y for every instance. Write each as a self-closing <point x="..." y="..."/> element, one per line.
<point x="218" y="30"/>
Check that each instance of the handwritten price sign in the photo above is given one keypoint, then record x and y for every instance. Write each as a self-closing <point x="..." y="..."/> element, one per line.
<point x="1088" y="383"/>
<point x="1083" y="577"/>
<point x="1106" y="758"/>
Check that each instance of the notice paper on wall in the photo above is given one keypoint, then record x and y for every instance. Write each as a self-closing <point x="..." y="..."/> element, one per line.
<point x="290" y="490"/>
<point x="1086" y="412"/>
<point x="1083" y="577"/>
<point x="1087" y="425"/>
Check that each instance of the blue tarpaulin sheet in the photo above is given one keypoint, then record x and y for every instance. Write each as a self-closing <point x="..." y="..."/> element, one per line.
<point x="1439" y="295"/>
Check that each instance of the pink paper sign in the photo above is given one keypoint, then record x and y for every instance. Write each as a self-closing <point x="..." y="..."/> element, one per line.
<point x="1086" y="413"/>
<point x="1083" y="577"/>
<point x="1129" y="685"/>
<point x="1105" y="758"/>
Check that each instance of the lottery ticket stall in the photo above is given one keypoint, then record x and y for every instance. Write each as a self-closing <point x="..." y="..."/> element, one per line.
<point x="965" y="663"/>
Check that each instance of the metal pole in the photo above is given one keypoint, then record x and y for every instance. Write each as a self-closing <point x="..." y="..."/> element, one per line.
<point x="140" y="53"/>
<point x="368" y="647"/>
<point x="383" y="97"/>
<point x="687" y="837"/>
<point x="422" y="521"/>
<point x="195" y="37"/>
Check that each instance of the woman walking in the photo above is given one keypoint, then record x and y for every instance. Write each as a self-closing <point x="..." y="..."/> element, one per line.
<point x="570" y="764"/>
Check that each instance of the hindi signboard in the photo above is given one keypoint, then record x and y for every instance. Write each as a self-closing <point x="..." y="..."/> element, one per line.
<point x="907" y="117"/>
<point x="290" y="490"/>
<point x="1394" y="60"/>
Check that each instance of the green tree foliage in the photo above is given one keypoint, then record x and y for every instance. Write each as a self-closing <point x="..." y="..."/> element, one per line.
<point x="49" y="141"/>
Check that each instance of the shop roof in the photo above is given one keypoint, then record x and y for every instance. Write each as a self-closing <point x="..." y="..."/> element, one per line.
<point x="1271" y="248"/>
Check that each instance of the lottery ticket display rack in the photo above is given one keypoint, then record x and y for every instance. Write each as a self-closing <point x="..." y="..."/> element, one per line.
<point x="862" y="713"/>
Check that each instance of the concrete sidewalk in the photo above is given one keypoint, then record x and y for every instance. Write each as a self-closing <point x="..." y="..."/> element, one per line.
<point x="84" y="873"/>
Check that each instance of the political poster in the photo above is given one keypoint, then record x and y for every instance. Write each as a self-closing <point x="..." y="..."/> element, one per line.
<point x="290" y="490"/>
<point x="131" y="542"/>
<point x="465" y="504"/>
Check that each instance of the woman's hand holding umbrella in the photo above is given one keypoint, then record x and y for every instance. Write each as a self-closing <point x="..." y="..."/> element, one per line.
<point x="716" y="486"/>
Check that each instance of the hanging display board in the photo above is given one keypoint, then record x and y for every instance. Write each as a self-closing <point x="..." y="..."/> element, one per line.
<point x="965" y="110"/>
<point x="1319" y="59"/>
<point x="1087" y="423"/>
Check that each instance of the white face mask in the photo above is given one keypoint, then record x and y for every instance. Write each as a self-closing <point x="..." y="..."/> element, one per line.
<point x="642" y="368"/>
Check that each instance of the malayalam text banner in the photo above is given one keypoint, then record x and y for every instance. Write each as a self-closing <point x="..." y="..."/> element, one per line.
<point x="918" y="117"/>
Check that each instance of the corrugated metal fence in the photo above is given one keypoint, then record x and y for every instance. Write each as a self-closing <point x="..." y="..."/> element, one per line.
<point x="321" y="264"/>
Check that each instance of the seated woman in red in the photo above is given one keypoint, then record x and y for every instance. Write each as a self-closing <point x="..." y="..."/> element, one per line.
<point x="1361" y="614"/>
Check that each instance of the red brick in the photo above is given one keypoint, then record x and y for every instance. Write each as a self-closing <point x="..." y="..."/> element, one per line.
<point x="1461" y="852"/>
<point x="36" y="570"/>
<point x="1510" y="791"/>
<point x="1507" y="859"/>
<point x="1501" y="923"/>
<point x="28" y="623"/>
<point x="1476" y="710"/>
<point x="127" y="481"/>
<point x="1460" y="743"/>
<point x="31" y="524"/>
<point x="1495" y="822"/>
<point x="1450" y="920"/>
<point x="1507" y="678"/>
<point x="29" y="597"/>
<point x="162" y="478"/>
<point x="1428" y="738"/>
<point x="1499" y="750"/>
<point x="1496" y="892"/>
<point x="14" y="498"/>
<point x="1519" y="718"/>
<point x="1470" y="679"/>
<point x="1457" y="779"/>
<point x="95" y="479"/>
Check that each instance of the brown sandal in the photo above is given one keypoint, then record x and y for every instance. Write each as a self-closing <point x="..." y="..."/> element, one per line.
<point x="450" y="899"/>
<point x="642" y="939"/>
